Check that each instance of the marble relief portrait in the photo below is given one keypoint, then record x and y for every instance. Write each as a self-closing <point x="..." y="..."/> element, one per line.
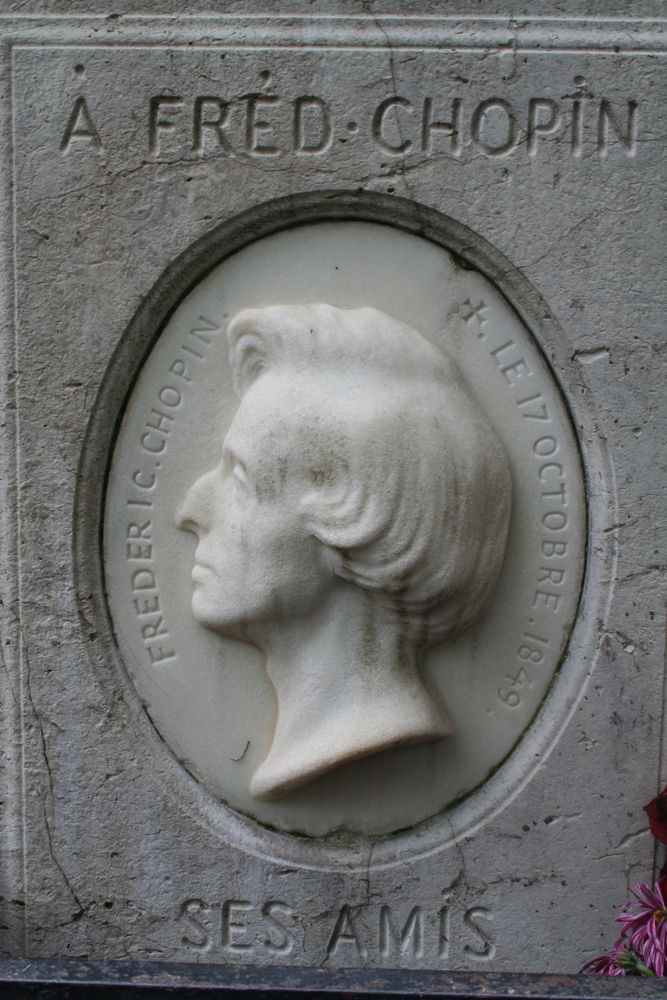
<point x="358" y="516"/>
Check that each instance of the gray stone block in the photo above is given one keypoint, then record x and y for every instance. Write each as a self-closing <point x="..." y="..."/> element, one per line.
<point x="141" y="150"/>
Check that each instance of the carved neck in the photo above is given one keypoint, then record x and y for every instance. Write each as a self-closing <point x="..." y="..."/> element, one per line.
<point x="348" y="686"/>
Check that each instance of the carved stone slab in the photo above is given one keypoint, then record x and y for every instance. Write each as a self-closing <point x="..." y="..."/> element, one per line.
<point x="332" y="469"/>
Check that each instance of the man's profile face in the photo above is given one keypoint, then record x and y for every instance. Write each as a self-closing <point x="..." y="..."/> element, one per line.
<point x="255" y="563"/>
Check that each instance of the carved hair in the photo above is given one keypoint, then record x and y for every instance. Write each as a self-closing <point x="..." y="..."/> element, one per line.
<point x="408" y="483"/>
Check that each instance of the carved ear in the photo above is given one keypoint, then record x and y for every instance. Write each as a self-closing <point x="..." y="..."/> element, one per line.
<point x="248" y="359"/>
<point x="247" y="349"/>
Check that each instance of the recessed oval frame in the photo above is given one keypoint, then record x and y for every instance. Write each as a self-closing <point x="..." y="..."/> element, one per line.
<point x="462" y="818"/>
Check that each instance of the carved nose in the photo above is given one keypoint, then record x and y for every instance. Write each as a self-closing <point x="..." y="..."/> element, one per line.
<point x="185" y="519"/>
<point x="191" y="512"/>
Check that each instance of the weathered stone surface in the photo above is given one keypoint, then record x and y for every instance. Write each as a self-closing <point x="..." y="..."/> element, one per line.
<point x="137" y="155"/>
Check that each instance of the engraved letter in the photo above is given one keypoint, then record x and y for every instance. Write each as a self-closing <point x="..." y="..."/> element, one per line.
<point x="535" y="127"/>
<point x="198" y="331"/>
<point x="80" y="126"/>
<point x="139" y="550"/>
<point x="552" y="550"/>
<point x="470" y="918"/>
<point x="555" y="576"/>
<point x="230" y="927"/>
<point x="378" y="122"/>
<point x="158" y="654"/>
<point x="179" y="368"/>
<point x="545" y="446"/>
<point x="152" y="631"/>
<point x="560" y="493"/>
<point x="159" y="425"/>
<point x="151" y="480"/>
<point x="200" y="939"/>
<point x="143" y="579"/>
<point x="549" y="465"/>
<point x="285" y="942"/>
<point x="516" y="371"/>
<point x="443" y="934"/>
<point x="301" y="105"/>
<point x="537" y="398"/>
<point x="214" y="125"/>
<point x="252" y="126"/>
<point x="555" y="520"/>
<point x="577" y="133"/>
<point x="512" y="127"/>
<point x="170" y="397"/>
<point x="499" y="350"/>
<point x="452" y="129"/>
<point x="147" y="441"/>
<point x="550" y="600"/>
<point x="607" y="118"/>
<point x="412" y="931"/>
<point x="139" y="530"/>
<point x="147" y="605"/>
<point x="345" y="932"/>
<point x="156" y="123"/>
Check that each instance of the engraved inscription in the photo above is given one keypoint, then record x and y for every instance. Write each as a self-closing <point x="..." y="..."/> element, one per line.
<point x="552" y="477"/>
<point x="153" y="445"/>
<point x="412" y="934"/>
<point x="397" y="122"/>
<point x="265" y="126"/>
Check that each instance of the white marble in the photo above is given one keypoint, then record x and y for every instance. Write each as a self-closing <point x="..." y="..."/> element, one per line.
<point x="352" y="513"/>
<point x="358" y="515"/>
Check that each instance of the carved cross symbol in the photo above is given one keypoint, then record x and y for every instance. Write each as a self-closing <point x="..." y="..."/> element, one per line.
<point x="475" y="312"/>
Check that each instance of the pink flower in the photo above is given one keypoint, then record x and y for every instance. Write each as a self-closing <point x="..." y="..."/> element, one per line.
<point x="621" y="961"/>
<point x="654" y="958"/>
<point x="605" y="965"/>
<point x="656" y="810"/>
<point x="645" y="923"/>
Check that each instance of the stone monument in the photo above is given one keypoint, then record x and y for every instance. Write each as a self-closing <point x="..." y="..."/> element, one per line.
<point x="332" y="573"/>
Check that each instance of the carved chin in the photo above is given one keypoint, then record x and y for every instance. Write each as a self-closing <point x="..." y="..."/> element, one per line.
<point x="208" y="612"/>
<point x="201" y="609"/>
